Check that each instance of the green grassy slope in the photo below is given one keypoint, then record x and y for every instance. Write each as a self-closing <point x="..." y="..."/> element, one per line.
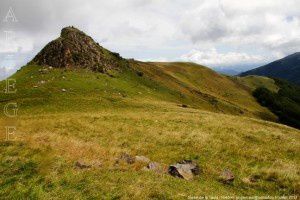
<point x="100" y="116"/>
<point x="207" y="89"/>
<point x="43" y="91"/>
<point x="179" y="83"/>
<point x="253" y="82"/>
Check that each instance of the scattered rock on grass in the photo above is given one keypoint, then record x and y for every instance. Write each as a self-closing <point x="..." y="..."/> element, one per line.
<point x="185" y="169"/>
<point x="250" y="180"/>
<point x="125" y="158"/>
<point x="82" y="165"/>
<point x="139" y="73"/>
<point x="97" y="164"/>
<point x="87" y="165"/>
<point x="63" y="90"/>
<point x="226" y="177"/>
<point x="156" y="167"/>
<point x="43" y="71"/>
<point x="142" y="159"/>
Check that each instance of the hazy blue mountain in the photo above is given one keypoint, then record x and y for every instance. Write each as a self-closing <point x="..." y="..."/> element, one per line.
<point x="231" y="72"/>
<point x="287" y="68"/>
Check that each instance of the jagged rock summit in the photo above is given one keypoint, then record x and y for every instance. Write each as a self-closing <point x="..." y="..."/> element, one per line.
<point x="74" y="49"/>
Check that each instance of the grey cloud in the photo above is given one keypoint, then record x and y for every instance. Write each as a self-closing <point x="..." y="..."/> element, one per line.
<point x="166" y="28"/>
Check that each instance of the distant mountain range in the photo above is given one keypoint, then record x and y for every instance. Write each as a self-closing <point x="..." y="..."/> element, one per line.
<point x="230" y="72"/>
<point x="287" y="68"/>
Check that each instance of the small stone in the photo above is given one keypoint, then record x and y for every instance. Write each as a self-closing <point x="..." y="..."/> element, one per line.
<point x="126" y="158"/>
<point x="43" y="71"/>
<point x="249" y="180"/>
<point x="82" y="165"/>
<point x="154" y="166"/>
<point x="184" y="106"/>
<point x="142" y="159"/>
<point x="226" y="176"/>
<point x="96" y="164"/>
<point x="87" y="165"/>
<point x="185" y="169"/>
<point x="140" y="73"/>
<point x="35" y="86"/>
<point x="63" y="90"/>
<point x="43" y="82"/>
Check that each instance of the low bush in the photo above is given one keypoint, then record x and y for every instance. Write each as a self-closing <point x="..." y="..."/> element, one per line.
<point x="285" y="103"/>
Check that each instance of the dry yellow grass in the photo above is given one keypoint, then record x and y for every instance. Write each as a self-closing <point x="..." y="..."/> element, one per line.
<point x="100" y="117"/>
<point x="249" y="147"/>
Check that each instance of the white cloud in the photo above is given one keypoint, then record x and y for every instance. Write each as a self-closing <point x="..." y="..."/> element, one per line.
<point x="163" y="28"/>
<point x="269" y="24"/>
<point x="18" y="44"/>
<point x="160" y="59"/>
<point x="212" y="58"/>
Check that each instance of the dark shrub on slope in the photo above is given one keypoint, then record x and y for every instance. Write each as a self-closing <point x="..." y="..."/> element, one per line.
<point x="285" y="104"/>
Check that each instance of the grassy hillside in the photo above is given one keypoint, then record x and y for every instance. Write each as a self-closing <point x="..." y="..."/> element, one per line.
<point x="40" y="161"/>
<point x="41" y="89"/>
<point x="253" y="82"/>
<point x="207" y="89"/>
<point x="71" y="115"/>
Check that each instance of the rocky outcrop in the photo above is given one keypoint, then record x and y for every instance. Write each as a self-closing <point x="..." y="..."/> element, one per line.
<point x="74" y="49"/>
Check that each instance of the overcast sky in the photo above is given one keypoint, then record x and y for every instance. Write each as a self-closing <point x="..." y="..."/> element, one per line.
<point x="238" y="34"/>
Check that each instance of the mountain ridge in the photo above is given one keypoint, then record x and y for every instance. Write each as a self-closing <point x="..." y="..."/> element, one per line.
<point x="287" y="68"/>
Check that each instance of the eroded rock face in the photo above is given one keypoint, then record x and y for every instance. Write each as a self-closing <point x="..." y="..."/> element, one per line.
<point x="74" y="49"/>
